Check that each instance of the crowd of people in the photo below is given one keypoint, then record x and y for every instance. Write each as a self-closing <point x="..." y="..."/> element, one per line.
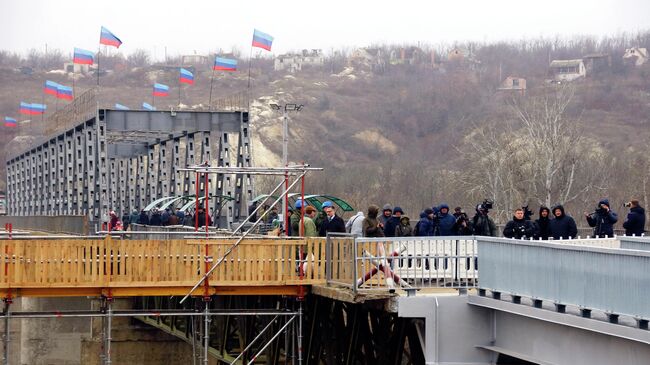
<point x="553" y="223"/>
<point x="158" y="217"/>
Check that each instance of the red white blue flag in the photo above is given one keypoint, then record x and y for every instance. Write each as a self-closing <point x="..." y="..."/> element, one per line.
<point x="64" y="92"/>
<point x="108" y="38"/>
<point x="186" y="77"/>
<point x="225" y="64"/>
<point x="10" y="122"/>
<point x="83" y="57"/>
<point x="32" y="109"/>
<point x="50" y="87"/>
<point x="262" y="40"/>
<point x="160" y="90"/>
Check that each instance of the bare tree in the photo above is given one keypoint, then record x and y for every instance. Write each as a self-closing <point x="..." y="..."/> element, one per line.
<point x="139" y="58"/>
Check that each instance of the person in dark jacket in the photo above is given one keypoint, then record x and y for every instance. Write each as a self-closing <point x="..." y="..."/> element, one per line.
<point x="144" y="218"/>
<point x="164" y="217"/>
<point x="371" y="226"/>
<point x="519" y="227"/>
<point x="387" y="212"/>
<point x="133" y="218"/>
<point x="635" y="223"/>
<point x="404" y="228"/>
<point x="155" y="218"/>
<point x="202" y="218"/>
<point x="562" y="225"/>
<point x="424" y="227"/>
<point x="603" y="220"/>
<point x="482" y="224"/>
<point x="332" y="223"/>
<point x="445" y="221"/>
<point x="543" y="224"/>
<point x="462" y="226"/>
<point x="392" y="223"/>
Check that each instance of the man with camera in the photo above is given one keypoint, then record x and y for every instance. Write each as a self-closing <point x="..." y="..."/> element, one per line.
<point x="519" y="227"/>
<point x="635" y="223"/>
<point x="482" y="224"/>
<point x="462" y="226"/>
<point x="603" y="220"/>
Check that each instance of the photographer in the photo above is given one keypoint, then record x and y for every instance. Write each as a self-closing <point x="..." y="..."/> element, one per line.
<point x="462" y="226"/>
<point x="482" y="224"/>
<point x="603" y="220"/>
<point x="635" y="223"/>
<point x="519" y="227"/>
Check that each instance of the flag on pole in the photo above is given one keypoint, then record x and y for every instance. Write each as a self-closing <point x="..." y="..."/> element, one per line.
<point x="64" y="92"/>
<point x="147" y="106"/>
<point x="10" y="122"/>
<point x="262" y="40"/>
<point x="121" y="107"/>
<point x="83" y="57"/>
<point x="109" y="39"/>
<point x="50" y="88"/>
<point x="160" y="90"/>
<point x="225" y="64"/>
<point x="32" y="109"/>
<point x="186" y="77"/>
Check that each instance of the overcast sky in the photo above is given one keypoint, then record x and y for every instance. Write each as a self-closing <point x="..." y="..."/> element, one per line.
<point x="192" y="25"/>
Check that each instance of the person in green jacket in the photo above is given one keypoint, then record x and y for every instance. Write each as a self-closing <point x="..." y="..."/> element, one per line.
<point x="294" y="219"/>
<point x="310" y="226"/>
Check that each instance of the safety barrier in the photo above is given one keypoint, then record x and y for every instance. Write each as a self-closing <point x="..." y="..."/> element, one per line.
<point x="406" y="263"/>
<point x="612" y="280"/>
<point x="127" y="267"/>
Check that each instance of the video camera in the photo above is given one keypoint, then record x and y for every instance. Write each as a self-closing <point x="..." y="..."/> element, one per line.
<point x="485" y="206"/>
<point x="527" y="213"/>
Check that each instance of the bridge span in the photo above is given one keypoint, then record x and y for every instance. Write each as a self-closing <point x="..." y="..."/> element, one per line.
<point x="433" y="300"/>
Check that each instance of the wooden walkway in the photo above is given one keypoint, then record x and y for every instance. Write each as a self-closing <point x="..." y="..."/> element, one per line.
<point x="121" y="268"/>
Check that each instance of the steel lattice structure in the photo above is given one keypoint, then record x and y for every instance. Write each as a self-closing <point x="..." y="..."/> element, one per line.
<point x="101" y="159"/>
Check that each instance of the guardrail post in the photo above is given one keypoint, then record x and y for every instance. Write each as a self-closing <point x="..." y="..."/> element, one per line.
<point x="354" y="265"/>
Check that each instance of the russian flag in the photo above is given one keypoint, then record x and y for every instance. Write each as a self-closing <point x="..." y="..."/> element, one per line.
<point x="121" y="107"/>
<point x="225" y="64"/>
<point x="160" y="90"/>
<point x="10" y="122"/>
<point x="64" y="92"/>
<point x="186" y="77"/>
<point x="262" y="40"/>
<point x="109" y="39"/>
<point x="50" y="88"/>
<point x="83" y="57"/>
<point x="147" y="106"/>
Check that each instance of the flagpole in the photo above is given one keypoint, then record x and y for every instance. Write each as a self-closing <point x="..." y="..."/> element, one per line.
<point x="248" y="88"/>
<point x="99" y="49"/>
<point x="180" y="84"/>
<point x="153" y="97"/>
<point x="211" y="82"/>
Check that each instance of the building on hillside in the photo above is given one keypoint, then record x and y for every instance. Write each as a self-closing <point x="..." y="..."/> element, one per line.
<point x="294" y="62"/>
<point x="406" y="56"/>
<point x="462" y="57"/>
<point x="76" y="68"/>
<point x="195" y="59"/>
<point x="372" y="58"/>
<point x="567" y="70"/>
<point x="597" y="62"/>
<point x="636" y="56"/>
<point x="513" y="84"/>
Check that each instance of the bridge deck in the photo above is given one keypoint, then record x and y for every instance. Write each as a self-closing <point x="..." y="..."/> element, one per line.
<point x="112" y="267"/>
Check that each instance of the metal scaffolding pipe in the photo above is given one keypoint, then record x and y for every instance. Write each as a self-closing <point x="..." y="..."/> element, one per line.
<point x="206" y="334"/>
<point x="5" y="338"/>
<point x="231" y="248"/>
<point x="300" y="332"/>
<point x="254" y="340"/>
<point x="109" y="323"/>
<point x="259" y="206"/>
<point x="89" y="314"/>
<point x="272" y="339"/>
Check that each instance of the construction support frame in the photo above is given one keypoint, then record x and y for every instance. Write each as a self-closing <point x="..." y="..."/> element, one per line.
<point x="107" y="314"/>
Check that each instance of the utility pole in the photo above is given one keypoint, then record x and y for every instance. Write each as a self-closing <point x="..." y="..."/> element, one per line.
<point x="285" y="109"/>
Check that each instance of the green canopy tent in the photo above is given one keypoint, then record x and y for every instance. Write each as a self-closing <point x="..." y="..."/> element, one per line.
<point x="314" y="200"/>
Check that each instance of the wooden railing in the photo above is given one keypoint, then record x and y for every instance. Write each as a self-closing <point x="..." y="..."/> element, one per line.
<point x="156" y="267"/>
